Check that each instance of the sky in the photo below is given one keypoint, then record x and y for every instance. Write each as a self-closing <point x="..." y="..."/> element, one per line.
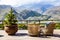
<point x="24" y="2"/>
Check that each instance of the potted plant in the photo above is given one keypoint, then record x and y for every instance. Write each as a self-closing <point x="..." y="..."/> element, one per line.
<point x="10" y="23"/>
<point x="33" y="29"/>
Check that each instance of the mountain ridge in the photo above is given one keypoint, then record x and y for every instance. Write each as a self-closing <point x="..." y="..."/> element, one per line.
<point x="24" y="14"/>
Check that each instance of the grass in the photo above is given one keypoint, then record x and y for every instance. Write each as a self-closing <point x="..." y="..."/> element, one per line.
<point x="1" y="26"/>
<point x="22" y="26"/>
<point x="57" y="26"/>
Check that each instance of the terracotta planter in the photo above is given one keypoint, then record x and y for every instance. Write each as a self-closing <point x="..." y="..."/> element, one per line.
<point x="33" y="29"/>
<point x="11" y="30"/>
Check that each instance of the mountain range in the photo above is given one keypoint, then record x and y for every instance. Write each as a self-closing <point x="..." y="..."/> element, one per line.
<point x="54" y="12"/>
<point x="39" y="7"/>
<point x="32" y="12"/>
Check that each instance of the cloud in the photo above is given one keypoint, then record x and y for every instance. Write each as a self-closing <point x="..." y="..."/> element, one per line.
<point x="23" y="2"/>
<point x="17" y="2"/>
<point x="8" y="2"/>
<point x="53" y="2"/>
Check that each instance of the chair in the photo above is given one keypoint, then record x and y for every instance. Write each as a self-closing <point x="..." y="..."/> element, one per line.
<point x="49" y="29"/>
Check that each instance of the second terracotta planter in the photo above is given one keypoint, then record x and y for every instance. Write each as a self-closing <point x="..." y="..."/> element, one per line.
<point x="33" y="29"/>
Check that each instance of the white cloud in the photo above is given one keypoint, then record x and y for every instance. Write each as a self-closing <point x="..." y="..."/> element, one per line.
<point x="17" y="2"/>
<point x="55" y="3"/>
<point x="8" y="2"/>
<point x="22" y="2"/>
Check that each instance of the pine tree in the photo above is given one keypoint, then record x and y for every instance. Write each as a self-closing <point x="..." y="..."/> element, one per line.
<point x="10" y="18"/>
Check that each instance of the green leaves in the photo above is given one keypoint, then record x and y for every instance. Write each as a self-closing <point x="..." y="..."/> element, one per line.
<point x="10" y="18"/>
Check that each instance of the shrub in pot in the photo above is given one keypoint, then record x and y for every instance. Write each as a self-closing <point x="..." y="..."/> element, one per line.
<point x="10" y="23"/>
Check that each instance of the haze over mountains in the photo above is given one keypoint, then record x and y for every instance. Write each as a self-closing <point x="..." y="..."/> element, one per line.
<point x="4" y="9"/>
<point x="40" y="7"/>
<point x="54" y="12"/>
<point x="32" y="12"/>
